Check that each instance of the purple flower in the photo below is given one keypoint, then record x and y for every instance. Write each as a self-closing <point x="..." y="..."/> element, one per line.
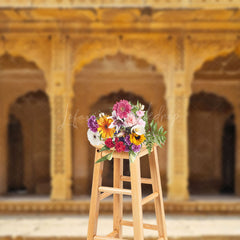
<point x="118" y="122"/>
<point x="127" y="140"/>
<point x="136" y="148"/>
<point x="92" y="123"/>
<point x="126" y="148"/>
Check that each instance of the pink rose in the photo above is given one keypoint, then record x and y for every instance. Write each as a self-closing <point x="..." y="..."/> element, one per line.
<point x="130" y="120"/>
<point x="141" y="122"/>
<point x="140" y="113"/>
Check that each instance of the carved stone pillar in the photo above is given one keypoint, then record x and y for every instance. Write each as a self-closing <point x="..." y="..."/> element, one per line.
<point x="60" y="100"/>
<point x="178" y="100"/>
<point x="178" y="147"/>
<point x="237" y="154"/>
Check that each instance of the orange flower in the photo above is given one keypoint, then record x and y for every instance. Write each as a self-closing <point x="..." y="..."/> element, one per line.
<point x="104" y="129"/>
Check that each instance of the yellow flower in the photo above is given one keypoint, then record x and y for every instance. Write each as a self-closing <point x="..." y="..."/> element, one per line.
<point x="104" y="129"/>
<point x="137" y="139"/>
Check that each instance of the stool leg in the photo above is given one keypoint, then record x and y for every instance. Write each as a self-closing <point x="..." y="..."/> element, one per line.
<point x="117" y="198"/>
<point x="95" y="197"/>
<point x="137" y="199"/>
<point x="158" y="202"/>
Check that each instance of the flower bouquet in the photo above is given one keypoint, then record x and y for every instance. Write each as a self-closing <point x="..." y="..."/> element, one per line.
<point x="126" y="130"/>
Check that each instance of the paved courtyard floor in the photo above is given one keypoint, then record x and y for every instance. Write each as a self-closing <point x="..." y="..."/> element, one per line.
<point x="76" y="226"/>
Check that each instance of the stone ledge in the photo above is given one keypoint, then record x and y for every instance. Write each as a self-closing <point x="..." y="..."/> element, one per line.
<point x="163" y="4"/>
<point x="82" y="207"/>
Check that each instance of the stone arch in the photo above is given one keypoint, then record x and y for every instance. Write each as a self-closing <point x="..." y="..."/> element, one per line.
<point x="217" y="48"/>
<point x="31" y="49"/>
<point x="147" y="49"/>
<point x="208" y="113"/>
<point x="106" y="101"/>
<point x="15" y="70"/>
<point x="219" y="75"/>
<point x="101" y="78"/>
<point x="17" y="77"/>
<point x="31" y="115"/>
<point x="225" y="65"/>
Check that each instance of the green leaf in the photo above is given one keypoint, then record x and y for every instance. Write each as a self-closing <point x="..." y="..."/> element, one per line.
<point x="106" y="157"/>
<point x="132" y="156"/>
<point x="104" y="148"/>
<point x="158" y="141"/>
<point x="160" y="130"/>
<point x="155" y="127"/>
<point x="109" y="156"/>
<point x="151" y="124"/>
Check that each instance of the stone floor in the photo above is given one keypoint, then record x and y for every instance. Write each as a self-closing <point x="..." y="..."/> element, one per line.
<point x="73" y="226"/>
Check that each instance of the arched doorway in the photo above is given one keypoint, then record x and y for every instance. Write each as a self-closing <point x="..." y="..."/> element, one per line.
<point x="15" y="156"/>
<point x="97" y="87"/>
<point x="22" y="87"/>
<point x="228" y="155"/>
<point x="207" y="116"/>
<point x="212" y="126"/>
<point x="29" y="144"/>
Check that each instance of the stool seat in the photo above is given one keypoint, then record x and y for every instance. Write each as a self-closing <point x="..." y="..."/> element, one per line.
<point x="100" y="192"/>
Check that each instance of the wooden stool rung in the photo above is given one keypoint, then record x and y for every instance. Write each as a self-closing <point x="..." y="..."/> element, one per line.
<point x="115" y="190"/>
<point x="107" y="238"/>
<point x="143" y="180"/>
<point x="150" y="198"/>
<point x="145" y="225"/>
<point x="104" y="195"/>
<point x="112" y="234"/>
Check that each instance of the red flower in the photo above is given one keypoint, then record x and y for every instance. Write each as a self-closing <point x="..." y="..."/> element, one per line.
<point x="120" y="147"/>
<point x="109" y="143"/>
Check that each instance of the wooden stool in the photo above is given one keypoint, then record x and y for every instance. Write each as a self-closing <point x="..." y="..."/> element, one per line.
<point x="100" y="192"/>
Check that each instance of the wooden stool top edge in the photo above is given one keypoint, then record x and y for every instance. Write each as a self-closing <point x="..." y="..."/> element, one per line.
<point x="124" y="155"/>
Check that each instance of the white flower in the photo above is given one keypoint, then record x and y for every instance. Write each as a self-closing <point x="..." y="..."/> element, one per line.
<point x="101" y="114"/>
<point x="120" y="134"/>
<point x="94" y="138"/>
<point x="138" y="129"/>
<point x="142" y="107"/>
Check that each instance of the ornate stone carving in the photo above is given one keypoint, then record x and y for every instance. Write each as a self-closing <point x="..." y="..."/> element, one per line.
<point x="180" y="51"/>
<point x="60" y="90"/>
<point x="59" y="135"/>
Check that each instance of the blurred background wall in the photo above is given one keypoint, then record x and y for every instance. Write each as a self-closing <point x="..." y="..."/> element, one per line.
<point x="59" y="66"/>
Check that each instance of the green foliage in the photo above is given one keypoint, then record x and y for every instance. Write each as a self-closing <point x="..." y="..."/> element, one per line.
<point x="154" y="135"/>
<point x="132" y="156"/>
<point x="104" y="148"/>
<point x="135" y="108"/>
<point x="106" y="157"/>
